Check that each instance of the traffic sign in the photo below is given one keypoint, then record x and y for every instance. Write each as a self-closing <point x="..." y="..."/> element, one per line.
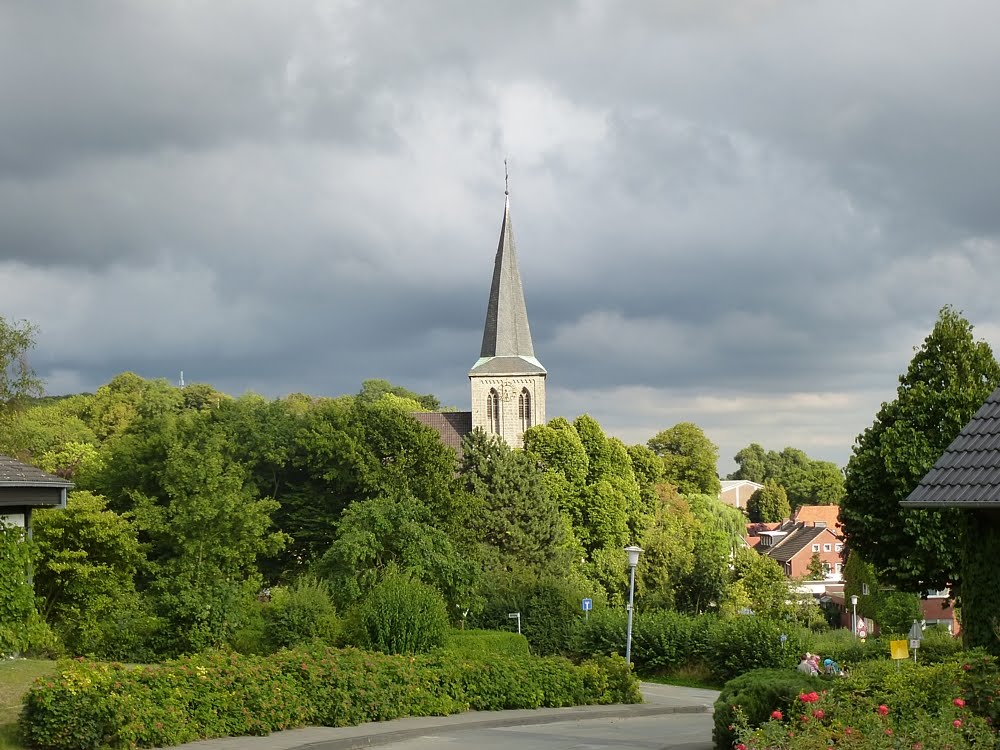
<point x="588" y="604"/>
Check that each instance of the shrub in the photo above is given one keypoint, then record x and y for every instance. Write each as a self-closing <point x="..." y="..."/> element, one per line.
<point x="298" y="614"/>
<point x="750" y="698"/>
<point x="88" y="705"/>
<point x="401" y="615"/>
<point x="741" y="644"/>
<point x="483" y="644"/>
<point x="33" y="637"/>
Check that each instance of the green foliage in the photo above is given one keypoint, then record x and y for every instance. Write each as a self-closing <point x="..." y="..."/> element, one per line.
<point x="769" y="504"/>
<point x="485" y="644"/>
<point x="375" y="389"/>
<point x="947" y="380"/>
<point x="30" y="637"/>
<point x="549" y="607"/>
<point x="740" y="644"/>
<point x="17" y="379"/>
<point x="401" y="533"/>
<point x="300" y="613"/>
<point x="16" y="597"/>
<point x="806" y="481"/>
<point x="403" y="616"/>
<point x="689" y="459"/>
<point x="760" y="585"/>
<point x="87" y="705"/>
<point x="751" y="697"/>
<point x="880" y="705"/>
<point x="897" y="611"/>
<point x="509" y="511"/>
<point x="980" y="585"/>
<point x="815" y="570"/>
<point x="88" y="557"/>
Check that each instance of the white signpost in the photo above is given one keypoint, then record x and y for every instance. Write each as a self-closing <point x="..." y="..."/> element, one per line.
<point x="515" y="616"/>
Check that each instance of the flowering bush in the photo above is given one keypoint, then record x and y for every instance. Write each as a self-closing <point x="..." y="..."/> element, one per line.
<point x="856" y="713"/>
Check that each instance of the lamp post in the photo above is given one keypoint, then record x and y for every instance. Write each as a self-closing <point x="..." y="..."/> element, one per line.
<point x="633" y="560"/>
<point x="854" y="615"/>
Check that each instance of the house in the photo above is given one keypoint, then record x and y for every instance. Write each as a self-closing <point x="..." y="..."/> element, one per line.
<point x="819" y="515"/>
<point x="507" y="381"/>
<point x="967" y="476"/>
<point x="736" y="492"/>
<point x="793" y="545"/>
<point x="23" y="487"/>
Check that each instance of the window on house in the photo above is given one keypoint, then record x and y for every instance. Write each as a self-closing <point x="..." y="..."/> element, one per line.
<point x="839" y="567"/>
<point x="864" y="589"/>
<point x="826" y="548"/>
<point x="524" y="409"/>
<point x="815" y="548"/>
<point x="838" y="548"/>
<point x="827" y="569"/>
<point x="493" y="411"/>
<point x="820" y="524"/>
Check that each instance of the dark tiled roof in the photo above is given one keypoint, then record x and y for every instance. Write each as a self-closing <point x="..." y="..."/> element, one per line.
<point x="795" y="542"/>
<point x="451" y="425"/>
<point x="507" y="366"/>
<point x="968" y="473"/>
<point x="506" y="332"/>
<point x="13" y="473"/>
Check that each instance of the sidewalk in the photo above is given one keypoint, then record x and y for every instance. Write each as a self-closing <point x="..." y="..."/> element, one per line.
<point x="660" y="699"/>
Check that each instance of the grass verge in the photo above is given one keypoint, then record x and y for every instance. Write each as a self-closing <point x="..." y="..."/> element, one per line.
<point x="16" y="676"/>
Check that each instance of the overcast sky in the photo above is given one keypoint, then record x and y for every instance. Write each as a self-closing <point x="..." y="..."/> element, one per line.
<point x="739" y="214"/>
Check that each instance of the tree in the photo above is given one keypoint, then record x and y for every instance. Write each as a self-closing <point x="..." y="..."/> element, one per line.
<point x="509" y="509"/>
<point x="689" y="459"/>
<point x="17" y="379"/>
<point x="375" y="389"/>
<point x="815" y="570"/>
<point x="88" y="557"/>
<point x="752" y="464"/>
<point x="946" y="382"/>
<point x="768" y="504"/>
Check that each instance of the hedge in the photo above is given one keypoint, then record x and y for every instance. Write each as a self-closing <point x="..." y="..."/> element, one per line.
<point x="484" y="644"/>
<point x="88" y="705"/>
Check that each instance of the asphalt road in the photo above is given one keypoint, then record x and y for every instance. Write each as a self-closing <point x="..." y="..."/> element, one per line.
<point x="682" y="731"/>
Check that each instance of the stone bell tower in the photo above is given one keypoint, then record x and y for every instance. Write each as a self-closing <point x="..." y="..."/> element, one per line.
<point x="508" y="383"/>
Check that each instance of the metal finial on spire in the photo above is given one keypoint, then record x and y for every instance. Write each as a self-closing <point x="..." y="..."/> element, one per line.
<point x="506" y="179"/>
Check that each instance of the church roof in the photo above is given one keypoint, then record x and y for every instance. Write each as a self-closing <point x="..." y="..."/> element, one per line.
<point x="968" y="474"/>
<point x="506" y="336"/>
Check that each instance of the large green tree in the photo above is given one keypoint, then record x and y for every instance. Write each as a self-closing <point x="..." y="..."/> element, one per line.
<point x="806" y="481"/>
<point x="508" y="511"/>
<point x="946" y="382"/>
<point x="768" y="504"/>
<point x="689" y="459"/>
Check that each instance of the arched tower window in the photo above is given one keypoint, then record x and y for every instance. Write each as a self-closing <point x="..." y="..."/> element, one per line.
<point x="524" y="409"/>
<point x="493" y="411"/>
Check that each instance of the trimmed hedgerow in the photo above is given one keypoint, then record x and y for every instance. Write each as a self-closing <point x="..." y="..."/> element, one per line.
<point x="87" y="705"/>
<point x="481" y="644"/>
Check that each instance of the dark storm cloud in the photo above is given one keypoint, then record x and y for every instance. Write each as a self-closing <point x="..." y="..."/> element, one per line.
<point x="743" y="215"/>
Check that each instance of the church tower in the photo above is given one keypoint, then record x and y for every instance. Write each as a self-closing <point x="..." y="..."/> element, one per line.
<point x="508" y="383"/>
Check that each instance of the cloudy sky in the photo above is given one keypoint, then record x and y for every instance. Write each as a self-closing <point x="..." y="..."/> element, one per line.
<point x="741" y="214"/>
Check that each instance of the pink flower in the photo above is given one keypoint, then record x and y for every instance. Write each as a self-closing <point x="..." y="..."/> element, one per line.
<point x="888" y="731"/>
<point x="818" y="713"/>
<point x="882" y="710"/>
<point x="848" y="731"/>
<point x="957" y="723"/>
<point x="959" y="702"/>
<point x="776" y="714"/>
<point x="740" y="746"/>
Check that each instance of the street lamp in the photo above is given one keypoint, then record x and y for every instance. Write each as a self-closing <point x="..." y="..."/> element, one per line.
<point x="633" y="560"/>
<point x="854" y="615"/>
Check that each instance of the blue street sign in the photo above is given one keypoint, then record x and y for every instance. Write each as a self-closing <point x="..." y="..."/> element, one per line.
<point x="588" y="604"/>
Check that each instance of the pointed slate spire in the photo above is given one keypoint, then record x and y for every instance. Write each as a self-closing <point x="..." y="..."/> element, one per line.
<point x="506" y="333"/>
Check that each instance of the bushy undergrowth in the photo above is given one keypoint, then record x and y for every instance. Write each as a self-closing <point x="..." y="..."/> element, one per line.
<point x="881" y="704"/>
<point x="402" y="616"/>
<point x="299" y="614"/>
<point x="666" y="642"/>
<point x="88" y="704"/>
<point x="483" y="644"/>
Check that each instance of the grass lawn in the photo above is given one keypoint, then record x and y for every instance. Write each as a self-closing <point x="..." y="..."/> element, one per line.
<point x="16" y="676"/>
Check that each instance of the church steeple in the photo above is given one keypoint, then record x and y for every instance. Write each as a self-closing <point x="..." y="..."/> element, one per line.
<point x="508" y="383"/>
